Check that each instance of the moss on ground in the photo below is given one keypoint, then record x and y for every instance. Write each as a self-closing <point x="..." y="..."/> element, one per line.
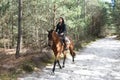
<point x="24" y="64"/>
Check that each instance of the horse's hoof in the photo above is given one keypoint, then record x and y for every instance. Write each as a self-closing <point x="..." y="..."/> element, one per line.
<point x="53" y="70"/>
<point x="63" y="66"/>
<point x="73" y="62"/>
<point x="60" y="67"/>
<point x="52" y="73"/>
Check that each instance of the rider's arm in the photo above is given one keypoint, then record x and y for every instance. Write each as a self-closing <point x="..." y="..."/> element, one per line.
<point x="64" y="29"/>
<point x="56" y="28"/>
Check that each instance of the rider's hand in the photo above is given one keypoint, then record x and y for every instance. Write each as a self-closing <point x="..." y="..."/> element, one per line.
<point x="56" y="32"/>
<point x="62" y="34"/>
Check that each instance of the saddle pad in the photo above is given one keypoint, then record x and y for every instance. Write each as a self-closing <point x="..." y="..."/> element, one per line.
<point x="67" y="40"/>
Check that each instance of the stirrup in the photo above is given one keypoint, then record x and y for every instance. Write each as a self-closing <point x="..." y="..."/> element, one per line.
<point x="65" y="47"/>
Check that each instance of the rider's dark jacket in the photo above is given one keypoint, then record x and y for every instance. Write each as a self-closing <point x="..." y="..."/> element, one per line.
<point x="61" y="28"/>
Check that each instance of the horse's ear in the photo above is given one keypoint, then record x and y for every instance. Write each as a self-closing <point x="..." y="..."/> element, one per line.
<point x="48" y="31"/>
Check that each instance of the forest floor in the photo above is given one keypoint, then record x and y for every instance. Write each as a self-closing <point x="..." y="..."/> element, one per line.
<point x="29" y="61"/>
<point x="100" y="60"/>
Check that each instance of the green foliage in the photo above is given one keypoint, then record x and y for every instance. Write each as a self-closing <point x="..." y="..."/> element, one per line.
<point x="27" y="68"/>
<point x="116" y="16"/>
<point x="82" y="17"/>
<point x="8" y="76"/>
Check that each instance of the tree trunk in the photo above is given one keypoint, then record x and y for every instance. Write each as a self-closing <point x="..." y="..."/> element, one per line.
<point x="2" y="32"/>
<point x="54" y="19"/>
<point x="12" y="35"/>
<point x="19" y="29"/>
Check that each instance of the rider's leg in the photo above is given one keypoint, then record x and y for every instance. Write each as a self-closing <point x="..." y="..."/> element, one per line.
<point x="65" y="45"/>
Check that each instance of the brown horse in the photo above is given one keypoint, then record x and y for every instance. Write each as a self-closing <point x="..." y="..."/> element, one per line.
<point x="57" y="46"/>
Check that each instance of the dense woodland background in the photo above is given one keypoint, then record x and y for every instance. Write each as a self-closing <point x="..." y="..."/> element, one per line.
<point x="84" y="19"/>
<point x="24" y="23"/>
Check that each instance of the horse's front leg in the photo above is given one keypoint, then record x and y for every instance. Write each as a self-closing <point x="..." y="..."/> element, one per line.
<point x="59" y="64"/>
<point x="64" y="59"/>
<point x="58" y="60"/>
<point x="54" y="66"/>
<point x="57" y="56"/>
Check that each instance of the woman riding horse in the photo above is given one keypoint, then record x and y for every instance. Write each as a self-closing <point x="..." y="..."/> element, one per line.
<point x="61" y="30"/>
<point x="57" y="46"/>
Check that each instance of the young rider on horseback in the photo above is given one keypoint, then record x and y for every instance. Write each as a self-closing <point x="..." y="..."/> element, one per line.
<point x="61" y="30"/>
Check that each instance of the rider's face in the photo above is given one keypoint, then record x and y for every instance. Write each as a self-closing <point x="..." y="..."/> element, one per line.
<point x="60" y="20"/>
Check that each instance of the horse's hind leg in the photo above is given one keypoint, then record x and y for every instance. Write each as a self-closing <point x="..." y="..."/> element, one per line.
<point x="72" y="53"/>
<point x="73" y="56"/>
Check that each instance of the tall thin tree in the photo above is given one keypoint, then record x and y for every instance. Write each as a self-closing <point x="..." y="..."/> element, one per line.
<point x="19" y="28"/>
<point x="54" y="18"/>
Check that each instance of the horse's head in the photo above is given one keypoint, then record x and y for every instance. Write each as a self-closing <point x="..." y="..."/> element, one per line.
<point x="50" y="38"/>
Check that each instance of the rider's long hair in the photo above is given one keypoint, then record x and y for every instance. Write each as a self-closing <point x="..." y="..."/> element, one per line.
<point x="62" y="20"/>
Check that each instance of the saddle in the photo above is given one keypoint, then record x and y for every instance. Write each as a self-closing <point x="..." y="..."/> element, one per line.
<point x="67" y="40"/>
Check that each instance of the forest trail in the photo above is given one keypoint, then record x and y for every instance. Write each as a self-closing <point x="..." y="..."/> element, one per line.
<point x="100" y="60"/>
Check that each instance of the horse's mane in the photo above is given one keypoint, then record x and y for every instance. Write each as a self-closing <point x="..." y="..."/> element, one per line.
<point x="55" y="36"/>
